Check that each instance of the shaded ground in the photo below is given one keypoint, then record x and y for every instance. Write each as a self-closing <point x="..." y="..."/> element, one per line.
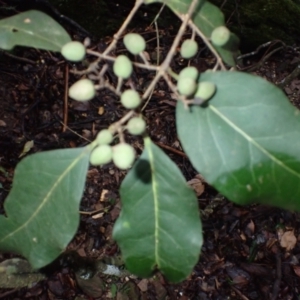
<point x="244" y="255"/>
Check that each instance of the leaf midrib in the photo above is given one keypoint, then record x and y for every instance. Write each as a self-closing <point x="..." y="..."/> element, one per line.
<point x="251" y="140"/>
<point x="45" y="200"/>
<point x="147" y="142"/>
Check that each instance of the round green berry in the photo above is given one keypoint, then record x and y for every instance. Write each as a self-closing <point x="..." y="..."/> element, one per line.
<point x="123" y="156"/>
<point x="205" y="90"/>
<point x="131" y="99"/>
<point x="136" y="126"/>
<point x="189" y="48"/>
<point x="122" y="67"/>
<point x="104" y="137"/>
<point x="101" y="155"/>
<point x="73" y="51"/>
<point x="134" y="43"/>
<point x="190" y="72"/>
<point x="186" y="86"/>
<point x="82" y="90"/>
<point x="220" y="36"/>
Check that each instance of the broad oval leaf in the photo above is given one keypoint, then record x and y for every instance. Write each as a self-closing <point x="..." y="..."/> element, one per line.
<point x="159" y="225"/>
<point x="42" y="206"/>
<point x="246" y="142"/>
<point x="32" y="29"/>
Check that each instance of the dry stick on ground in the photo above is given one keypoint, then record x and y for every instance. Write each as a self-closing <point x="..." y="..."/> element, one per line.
<point x="62" y="17"/>
<point x="23" y="59"/>
<point x="267" y="44"/>
<point x="262" y="61"/>
<point x="239" y="293"/>
<point x="276" y="286"/>
<point x="171" y="149"/>
<point x="66" y="98"/>
<point x="3" y="295"/>
<point x="288" y="79"/>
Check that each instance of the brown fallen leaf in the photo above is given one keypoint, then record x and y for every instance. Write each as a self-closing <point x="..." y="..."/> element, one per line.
<point x="288" y="240"/>
<point x="297" y="270"/>
<point x="197" y="185"/>
<point x="143" y="285"/>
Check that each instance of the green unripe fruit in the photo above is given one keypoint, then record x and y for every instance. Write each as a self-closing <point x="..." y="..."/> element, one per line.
<point x="186" y="86"/>
<point x="205" y="91"/>
<point x="101" y="155"/>
<point x="82" y="90"/>
<point x="188" y="49"/>
<point x="73" y="51"/>
<point x="123" y="156"/>
<point x="104" y="137"/>
<point x="190" y="72"/>
<point x="131" y="99"/>
<point x="220" y="36"/>
<point x="122" y="67"/>
<point x="136" y="126"/>
<point x="134" y="43"/>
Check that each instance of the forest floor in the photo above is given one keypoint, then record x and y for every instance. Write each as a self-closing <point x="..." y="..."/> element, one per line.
<point x="250" y="252"/>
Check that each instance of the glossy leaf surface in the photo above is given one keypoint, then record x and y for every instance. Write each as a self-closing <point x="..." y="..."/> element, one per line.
<point x="32" y="29"/>
<point x="42" y="207"/>
<point x="159" y="225"/>
<point x="246" y="141"/>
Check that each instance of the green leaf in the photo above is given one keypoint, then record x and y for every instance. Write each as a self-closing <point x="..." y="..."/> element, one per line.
<point x="230" y="51"/>
<point x="159" y="225"/>
<point x="42" y="207"/>
<point x="32" y="29"/>
<point x="246" y="141"/>
<point x="206" y="17"/>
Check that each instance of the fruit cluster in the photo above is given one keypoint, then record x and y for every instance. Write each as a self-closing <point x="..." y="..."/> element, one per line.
<point x="188" y="85"/>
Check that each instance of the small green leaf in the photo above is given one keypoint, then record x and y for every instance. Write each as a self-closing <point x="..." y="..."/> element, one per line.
<point x="32" y="29"/>
<point x="230" y="51"/>
<point x="206" y="17"/>
<point x="246" y="141"/>
<point x="159" y="225"/>
<point x="42" y="207"/>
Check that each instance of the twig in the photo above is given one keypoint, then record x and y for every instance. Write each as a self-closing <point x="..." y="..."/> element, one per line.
<point x="26" y="60"/>
<point x="166" y="63"/>
<point x="79" y="135"/>
<point x="3" y="295"/>
<point x="91" y="212"/>
<point x="261" y="62"/>
<point x="208" y="44"/>
<point x="276" y="286"/>
<point x="288" y="79"/>
<point x="258" y="49"/>
<point x="56" y="13"/>
<point x="171" y="149"/>
<point x="117" y="36"/>
<point x="157" y="53"/>
<point x="65" y="121"/>
<point x="239" y="293"/>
